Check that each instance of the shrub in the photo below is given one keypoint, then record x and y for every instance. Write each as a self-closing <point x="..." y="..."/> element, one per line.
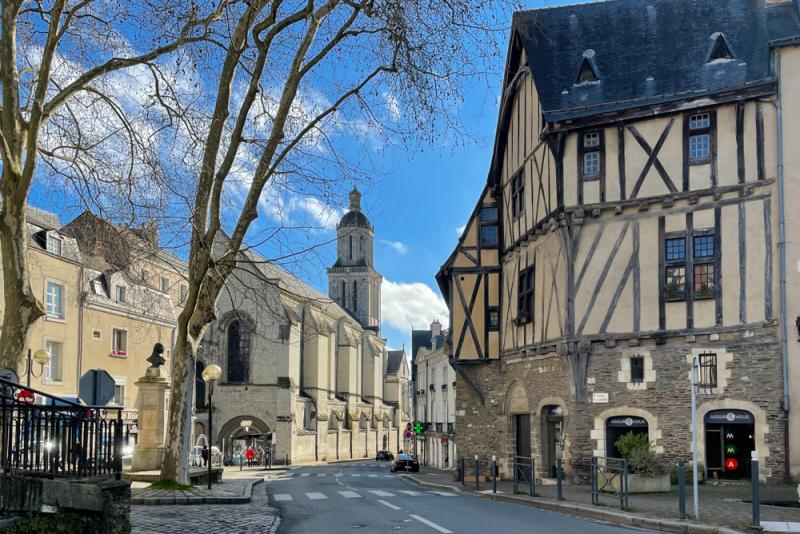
<point x="642" y="459"/>
<point x="631" y="441"/>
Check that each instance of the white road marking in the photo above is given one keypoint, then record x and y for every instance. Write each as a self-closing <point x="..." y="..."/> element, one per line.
<point x="282" y="497"/>
<point x="388" y="476"/>
<point x="316" y="496"/>
<point x="355" y="474"/>
<point x="443" y="493"/>
<point x="380" y="493"/>
<point x="305" y="474"/>
<point x="349" y="494"/>
<point x="372" y="476"/>
<point x="393" y="507"/>
<point x="322" y="474"/>
<point x="431" y="524"/>
<point x="412" y="493"/>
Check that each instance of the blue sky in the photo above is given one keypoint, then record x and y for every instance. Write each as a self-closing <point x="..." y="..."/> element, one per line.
<point x="417" y="205"/>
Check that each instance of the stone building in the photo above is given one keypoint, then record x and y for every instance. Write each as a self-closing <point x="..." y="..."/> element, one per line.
<point x="632" y="224"/>
<point x="302" y="373"/>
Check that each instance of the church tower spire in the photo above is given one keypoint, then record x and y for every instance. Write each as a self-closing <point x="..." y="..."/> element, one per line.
<point x="353" y="281"/>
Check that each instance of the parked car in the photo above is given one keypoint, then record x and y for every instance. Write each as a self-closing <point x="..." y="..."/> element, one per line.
<point x="405" y="463"/>
<point x="384" y="456"/>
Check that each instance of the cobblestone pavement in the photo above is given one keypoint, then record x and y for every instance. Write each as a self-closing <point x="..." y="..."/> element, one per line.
<point x="229" y="487"/>
<point x="257" y="516"/>
<point x="720" y="504"/>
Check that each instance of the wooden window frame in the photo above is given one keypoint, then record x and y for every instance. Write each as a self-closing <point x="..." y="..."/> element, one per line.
<point x="482" y="223"/>
<point x="689" y="132"/>
<point x="517" y="194"/>
<point x="583" y="150"/>
<point x="637" y="379"/>
<point x="672" y="264"/>
<point x="489" y="311"/>
<point x="526" y="294"/>
<point x="690" y="263"/>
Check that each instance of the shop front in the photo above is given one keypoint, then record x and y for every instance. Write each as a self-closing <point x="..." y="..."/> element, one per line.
<point x="729" y="442"/>
<point x="620" y="425"/>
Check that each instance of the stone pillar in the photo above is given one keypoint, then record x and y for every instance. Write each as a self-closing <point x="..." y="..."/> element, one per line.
<point x="151" y="404"/>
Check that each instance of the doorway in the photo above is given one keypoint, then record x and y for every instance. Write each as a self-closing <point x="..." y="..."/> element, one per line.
<point x="729" y="442"/>
<point x="619" y="425"/>
<point x="522" y="440"/>
<point x="552" y="419"/>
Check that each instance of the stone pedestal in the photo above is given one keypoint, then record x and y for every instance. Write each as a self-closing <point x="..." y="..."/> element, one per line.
<point x="151" y="405"/>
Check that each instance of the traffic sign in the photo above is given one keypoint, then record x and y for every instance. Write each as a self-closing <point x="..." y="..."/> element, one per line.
<point x="407" y="434"/>
<point x="97" y="387"/>
<point x="408" y="427"/>
<point x="26" y="396"/>
<point x="731" y="464"/>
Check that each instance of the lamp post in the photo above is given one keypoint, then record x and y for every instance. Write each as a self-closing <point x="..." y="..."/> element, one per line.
<point x="211" y="374"/>
<point x="42" y="357"/>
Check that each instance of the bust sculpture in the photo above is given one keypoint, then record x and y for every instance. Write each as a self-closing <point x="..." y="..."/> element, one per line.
<point x="156" y="359"/>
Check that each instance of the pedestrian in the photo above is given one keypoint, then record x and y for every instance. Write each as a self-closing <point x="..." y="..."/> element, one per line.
<point x="205" y="455"/>
<point x="249" y="455"/>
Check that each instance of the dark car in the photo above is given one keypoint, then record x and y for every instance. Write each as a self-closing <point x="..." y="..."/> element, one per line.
<point x="384" y="456"/>
<point x="405" y="463"/>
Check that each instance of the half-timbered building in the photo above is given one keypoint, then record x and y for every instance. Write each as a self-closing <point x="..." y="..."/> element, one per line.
<point x="635" y="220"/>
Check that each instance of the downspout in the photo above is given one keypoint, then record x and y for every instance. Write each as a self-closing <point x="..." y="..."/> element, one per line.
<point x="81" y="302"/>
<point x="782" y="262"/>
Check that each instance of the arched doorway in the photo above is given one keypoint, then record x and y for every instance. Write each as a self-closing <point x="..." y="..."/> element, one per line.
<point x="729" y="442"/>
<point x="234" y="438"/>
<point x="552" y="432"/>
<point x="620" y="425"/>
<point x="518" y="408"/>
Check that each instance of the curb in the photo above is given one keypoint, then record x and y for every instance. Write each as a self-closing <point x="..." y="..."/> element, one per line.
<point x="599" y="514"/>
<point x="189" y="499"/>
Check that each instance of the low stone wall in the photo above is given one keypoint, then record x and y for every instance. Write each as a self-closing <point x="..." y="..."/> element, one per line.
<point x="104" y="504"/>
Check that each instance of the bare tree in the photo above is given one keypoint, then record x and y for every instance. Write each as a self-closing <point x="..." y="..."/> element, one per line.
<point x="58" y="59"/>
<point x="289" y="74"/>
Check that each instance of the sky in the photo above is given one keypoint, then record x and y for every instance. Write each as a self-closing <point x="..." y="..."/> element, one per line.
<point x="418" y="206"/>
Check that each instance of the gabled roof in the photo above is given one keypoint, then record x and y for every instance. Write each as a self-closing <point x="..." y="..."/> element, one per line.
<point x="394" y="359"/>
<point x="647" y="51"/>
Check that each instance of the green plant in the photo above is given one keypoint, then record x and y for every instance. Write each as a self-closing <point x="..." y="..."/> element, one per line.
<point x="674" y="291"/>
<point x="642" y="459"/>
<point x="170" y="485"/>
<point x="61" y="522"/>
<point x="631" y="441"/>
<point x="673" y="474"/>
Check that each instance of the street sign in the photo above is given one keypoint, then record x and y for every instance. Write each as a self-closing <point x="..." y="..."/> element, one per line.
<point x="26" y="396"/>
<point x="407" y="434"/>
<point x="97" y="387"/>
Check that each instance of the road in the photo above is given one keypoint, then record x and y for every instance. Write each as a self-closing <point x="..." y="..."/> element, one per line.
<point x="367" y="498"/>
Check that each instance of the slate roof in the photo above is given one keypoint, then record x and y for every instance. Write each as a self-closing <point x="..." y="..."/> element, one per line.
<point x="419" y="338"/>
<point x="394" y="359"/>
<point x="355" y="218"/>
<point x="648" y="51"/>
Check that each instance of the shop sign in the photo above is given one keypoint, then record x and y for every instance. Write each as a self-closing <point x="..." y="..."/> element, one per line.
<point x="600" y="398"/>
<point x="731" y="449"/>
<point x="730" y="417"/>
<point x="627" y="422"/>
<point x="731" y="464"/>
<point x="444" y="440"/>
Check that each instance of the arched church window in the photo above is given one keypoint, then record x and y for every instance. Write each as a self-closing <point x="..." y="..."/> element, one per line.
<point x="343" y="295"/>
<point x="238" y="352"/>
<point x="350" y="247"/>
<point x="355" y="296"/>
<point x="199" y="386"/>
<point x="362" y="252"/>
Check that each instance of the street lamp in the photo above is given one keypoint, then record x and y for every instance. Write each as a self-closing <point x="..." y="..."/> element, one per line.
<point x="211" y="374"/>
<point x="42" y="357"/>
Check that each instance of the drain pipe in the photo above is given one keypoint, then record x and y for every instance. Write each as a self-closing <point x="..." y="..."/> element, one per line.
<point x="782" y="262"/>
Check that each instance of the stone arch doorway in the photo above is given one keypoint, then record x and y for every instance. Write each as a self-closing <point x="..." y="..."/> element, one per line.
<point x="620" y="425"/>
<point x="233" y="438"/>
<point x="552" y="433"/>
<point x="518" y="410"/>
<point x="601" y="437"/>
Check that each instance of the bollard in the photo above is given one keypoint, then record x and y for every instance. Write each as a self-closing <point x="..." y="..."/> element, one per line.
<point x="463" y="474"/>
<point x="756" y="497"/>
<point x="559" y="480"/>
<point x="477" y="474"/>
<point x="494" y="474"/>
<point x="681" y="489"/>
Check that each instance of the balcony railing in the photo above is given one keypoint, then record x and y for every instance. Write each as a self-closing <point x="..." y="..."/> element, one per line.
<point x="47" y="435"/>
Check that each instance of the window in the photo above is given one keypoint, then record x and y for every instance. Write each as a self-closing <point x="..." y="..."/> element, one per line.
<point x="586" y="73"/>
<point x="488" y="220"/>
<point x="184" y="292"/>
<point x="591" y="148"/>
<point x="700" y="137"/>
<point x="355" y="295"/>
<point x="637" y="369"/>
<point x="52" y="370"/>
<point x="55" y="300"/>
<point x="702" y="270"/>
<point x="708" y="371"/>
<point x="120" y="293"/>
<point x="283" y="331"/>
<point x="704" y="246"/>
<point x="97" y="287"/>
<point x="518" y="194"/>
<point x="97" y="334"/>
<point x="526" y="294"/>
<point x="164" y="284"/>
<point x="344" y="294"/>
<point x="493" y="318"/>
<point x="704" y="266"/>
<point x="676" y="249"/>
<point x="675" y="269"/>
<point x="144" y="274"/>
<point x="720" y="49"/>
<point x="350" y="247"/>
<point x="119" y="342"/>
<point x="119" y="392"/>
<point x="238" y="352"/>
<point x="54" y="244"/>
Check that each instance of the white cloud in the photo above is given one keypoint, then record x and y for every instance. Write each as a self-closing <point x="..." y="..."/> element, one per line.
<point x="398" y="246"/>
<point x="392" y="105"/>
<point x="460" y="229"/>
<point x="411" y="304"/>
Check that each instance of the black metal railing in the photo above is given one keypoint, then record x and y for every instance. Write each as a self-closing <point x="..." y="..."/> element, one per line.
<point x="610" y="479"/>
<point x="524" y="475"/>
<point x="46" y="435"/>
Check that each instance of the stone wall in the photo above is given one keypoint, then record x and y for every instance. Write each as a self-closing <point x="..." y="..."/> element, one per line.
<point x="749" y="379"/>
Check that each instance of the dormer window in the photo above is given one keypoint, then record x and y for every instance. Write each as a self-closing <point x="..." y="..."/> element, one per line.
<point x="54" y="244"/>
<point x="720" y="49"/>
<point x="97" y="286"/>
<point x="586" y="74"/>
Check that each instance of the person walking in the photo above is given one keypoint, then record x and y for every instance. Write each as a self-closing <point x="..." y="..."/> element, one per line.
<point x="205" y="455"/>
<point x="249" y="455"/>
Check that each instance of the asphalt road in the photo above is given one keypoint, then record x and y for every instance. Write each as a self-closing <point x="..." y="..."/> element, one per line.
<point x="366" y="497"/>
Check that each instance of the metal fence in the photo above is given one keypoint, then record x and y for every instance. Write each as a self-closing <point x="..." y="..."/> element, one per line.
<point x="47" y="435"/>
<point x="610" y="479"/>
<point x="524" y="474"/>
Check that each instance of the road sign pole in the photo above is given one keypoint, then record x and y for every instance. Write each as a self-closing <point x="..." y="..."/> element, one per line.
<point x="695" y="496"/>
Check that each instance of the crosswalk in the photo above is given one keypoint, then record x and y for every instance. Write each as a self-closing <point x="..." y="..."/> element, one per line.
<point x="349" y="494"/>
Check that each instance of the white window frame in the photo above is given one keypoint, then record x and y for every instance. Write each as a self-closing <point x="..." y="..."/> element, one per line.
<point x="164" y="284"/>
<point x="123" y="382"/>
<point x="52" y="237"/>
<point x="97" y="287"/>
<point x="115" y="351"/>
<point x="62" y="298"/>
<point x="117" y="294"/>
<point x="46" y="371"/>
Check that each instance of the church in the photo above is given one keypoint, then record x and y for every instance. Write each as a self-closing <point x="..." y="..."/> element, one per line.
<point x="305" y="375"/>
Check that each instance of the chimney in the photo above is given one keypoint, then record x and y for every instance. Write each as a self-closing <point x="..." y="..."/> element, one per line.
<point x="436" y="331"/>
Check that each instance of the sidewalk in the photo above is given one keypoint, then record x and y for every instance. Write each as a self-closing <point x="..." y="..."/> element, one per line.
<point x="721" y="506"/>
<point x="236" y="488"/>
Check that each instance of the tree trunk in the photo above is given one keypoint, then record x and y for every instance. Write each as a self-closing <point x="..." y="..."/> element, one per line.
<point x="22" y="309"/>
<point x="176" y="454"/>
